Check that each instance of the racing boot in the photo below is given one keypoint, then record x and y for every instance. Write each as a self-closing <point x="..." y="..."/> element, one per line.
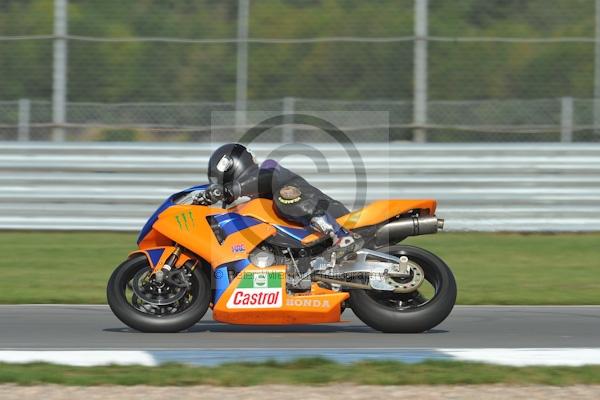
<point x="344" y="242"/>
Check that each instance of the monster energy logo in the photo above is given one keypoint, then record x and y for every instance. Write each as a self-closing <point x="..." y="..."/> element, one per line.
<point x="185" y="220"/>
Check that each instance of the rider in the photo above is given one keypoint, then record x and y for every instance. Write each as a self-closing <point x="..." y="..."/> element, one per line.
<point x="233" y="173"/>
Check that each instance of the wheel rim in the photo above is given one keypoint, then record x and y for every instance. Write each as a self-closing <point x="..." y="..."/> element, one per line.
<point x="163" y="304"/>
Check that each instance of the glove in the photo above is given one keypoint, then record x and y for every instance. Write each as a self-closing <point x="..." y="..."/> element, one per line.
<point x="210" y="195"/>
<point x="214" y="193"/>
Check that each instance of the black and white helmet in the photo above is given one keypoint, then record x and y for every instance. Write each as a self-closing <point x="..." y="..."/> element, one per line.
<point x="229" y="162"/>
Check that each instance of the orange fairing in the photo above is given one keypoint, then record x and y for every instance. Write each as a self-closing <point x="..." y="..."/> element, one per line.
<point x="154" y="239"/>
<point x="271" y="304"/>
<point x="189" y="227"/>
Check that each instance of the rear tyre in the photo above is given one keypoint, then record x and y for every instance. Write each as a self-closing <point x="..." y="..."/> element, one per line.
<point x="144" y="317"/>
<point x="411" y="312"/>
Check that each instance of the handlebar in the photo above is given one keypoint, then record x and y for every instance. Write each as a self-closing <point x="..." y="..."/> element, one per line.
<point x="211" y="195"/>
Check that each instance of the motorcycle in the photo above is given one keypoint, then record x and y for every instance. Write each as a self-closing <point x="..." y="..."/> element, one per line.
<point x="252" y="267"/>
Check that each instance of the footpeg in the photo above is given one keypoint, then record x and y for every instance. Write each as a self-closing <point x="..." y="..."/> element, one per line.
<point x="320" y="264"/>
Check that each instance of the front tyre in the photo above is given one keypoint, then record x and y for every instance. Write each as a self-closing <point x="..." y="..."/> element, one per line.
<point x="408" y="312"/>
<point x="166" y="310"/>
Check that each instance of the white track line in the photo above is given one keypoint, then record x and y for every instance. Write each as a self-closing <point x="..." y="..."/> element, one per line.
<point x="526" y="357"/>
<point x="79" y="358"/>
<point x="501" y="356"/>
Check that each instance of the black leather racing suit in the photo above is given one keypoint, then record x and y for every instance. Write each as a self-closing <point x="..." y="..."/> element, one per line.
<point x="295" y="199"/>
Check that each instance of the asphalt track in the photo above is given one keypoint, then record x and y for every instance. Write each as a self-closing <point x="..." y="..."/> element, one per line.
<point x="82" y="327"/>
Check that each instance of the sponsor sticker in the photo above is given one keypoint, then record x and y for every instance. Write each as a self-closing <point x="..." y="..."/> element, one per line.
<point x="185" y="221"/>
<point x="257" y="290"/>
<point x="238" y="248"/>
<point x="300" y="302"/>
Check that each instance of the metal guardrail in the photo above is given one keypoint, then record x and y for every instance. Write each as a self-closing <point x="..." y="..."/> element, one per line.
<point x="507" y="187"/>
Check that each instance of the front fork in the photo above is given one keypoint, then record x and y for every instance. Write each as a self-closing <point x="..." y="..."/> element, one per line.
<point x="161" y="272"/>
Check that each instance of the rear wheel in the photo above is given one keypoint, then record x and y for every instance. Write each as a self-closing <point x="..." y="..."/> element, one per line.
<point x="413" y="312"/>
<point x="143" y="304"/>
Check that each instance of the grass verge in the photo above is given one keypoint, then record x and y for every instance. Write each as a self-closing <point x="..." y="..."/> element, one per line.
<point x="73" y="267"/>
<point x="304" y="371"/>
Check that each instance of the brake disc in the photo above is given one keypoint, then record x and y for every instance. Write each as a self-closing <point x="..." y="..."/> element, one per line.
<point x="389" y="282"/>
<point x="153" y="293"/>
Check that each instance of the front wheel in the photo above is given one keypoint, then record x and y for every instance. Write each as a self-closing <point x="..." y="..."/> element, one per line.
<point x="146" y="306"/>
<point x="414" y="312"/>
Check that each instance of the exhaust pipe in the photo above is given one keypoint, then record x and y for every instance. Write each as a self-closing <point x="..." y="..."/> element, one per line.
<point x="398" y="230"/>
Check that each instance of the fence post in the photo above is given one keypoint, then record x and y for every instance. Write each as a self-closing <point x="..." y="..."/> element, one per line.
<point x="59" y="72"/>
<point x="596" y="102"/>
<point x="241" y="87"/>
<point x="420" y="72"/>
<point x="566" y="119"/>
<point x="24" y="119"/>
<point x="287" y="134"/>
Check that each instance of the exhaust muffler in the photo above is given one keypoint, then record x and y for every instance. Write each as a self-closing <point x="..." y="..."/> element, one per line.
<point x="400" y="229"/>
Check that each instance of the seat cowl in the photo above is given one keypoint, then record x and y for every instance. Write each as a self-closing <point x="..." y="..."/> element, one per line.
<point x="383" y="210"/>
<point x="377" y="212"/>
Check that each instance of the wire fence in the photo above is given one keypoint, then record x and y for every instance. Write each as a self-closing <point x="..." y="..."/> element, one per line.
<point x="549" y="120"/>
<point x="444" y="70"/>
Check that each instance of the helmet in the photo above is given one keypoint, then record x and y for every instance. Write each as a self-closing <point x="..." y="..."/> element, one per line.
<point x="229" y="162"/>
